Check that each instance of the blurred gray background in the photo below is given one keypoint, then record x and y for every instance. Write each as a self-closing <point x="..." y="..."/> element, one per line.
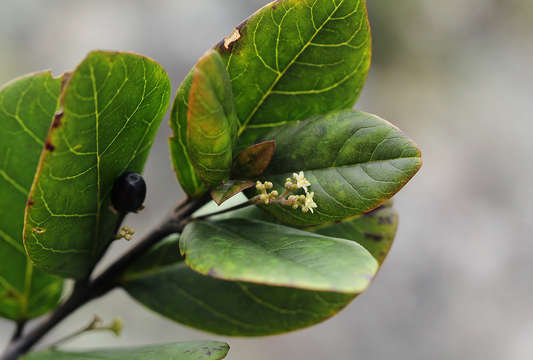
<point x="455" y="75"/>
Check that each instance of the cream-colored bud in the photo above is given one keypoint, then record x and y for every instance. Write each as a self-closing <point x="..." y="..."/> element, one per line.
<point x="116" y="326"/>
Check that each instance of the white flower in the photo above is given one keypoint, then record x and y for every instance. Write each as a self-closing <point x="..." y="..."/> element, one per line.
<point x="301" y="181"/>
<point x="260" y="186"/>
<point x="309" y="203"/>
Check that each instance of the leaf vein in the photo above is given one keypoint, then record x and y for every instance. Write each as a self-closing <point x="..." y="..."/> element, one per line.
<point x="282" y="73"/>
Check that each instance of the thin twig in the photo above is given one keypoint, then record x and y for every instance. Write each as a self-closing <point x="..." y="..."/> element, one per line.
<point x="88" y="290"/>
<point x="91" y="326"/>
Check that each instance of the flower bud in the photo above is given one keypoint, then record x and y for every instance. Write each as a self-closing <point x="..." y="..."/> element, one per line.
<point x="116" y="326"/>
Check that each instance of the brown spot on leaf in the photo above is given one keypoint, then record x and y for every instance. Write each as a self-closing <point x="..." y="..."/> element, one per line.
<point x="382" y="220"/>
<point x="374" y="237"/>
<point x="30" y="202"/>
<point x="239" y="28"/>
<point x="57" y="120"/>
<point x="66" y="78"/>
<point x="38" y="230"/>
<point x="49" y="146"/>
<point x="231" y="39"/>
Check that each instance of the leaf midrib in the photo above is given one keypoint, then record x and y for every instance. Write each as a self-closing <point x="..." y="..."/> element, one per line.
<point x="282" y="73"/>
<point x="97" y="154"/>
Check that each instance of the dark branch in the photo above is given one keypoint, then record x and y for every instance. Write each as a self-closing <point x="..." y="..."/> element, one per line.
<point x="19" y="329"/>
<point x="88" y="290"/>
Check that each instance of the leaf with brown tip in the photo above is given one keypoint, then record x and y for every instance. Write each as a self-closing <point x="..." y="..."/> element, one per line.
<point x="252" y="161"/>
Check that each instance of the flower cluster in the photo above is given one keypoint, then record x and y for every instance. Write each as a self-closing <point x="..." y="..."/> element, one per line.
<point x="305" y="202"/>
<point x="298" y="181"/>
<point x="125" y="233"/>
<point x="264" y="195"/>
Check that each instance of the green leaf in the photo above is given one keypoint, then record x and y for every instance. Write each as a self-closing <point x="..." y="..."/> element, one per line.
<point x="290" y="60"/>
<point x="27" y="108"/>
<point x="265" y="253"/>
<point x="375" y="231"/>
<point x="197" y="350"/>
<point x="179" y="153"/>
<point x="228" y="189"/>
<point x="252" y="161"/>
<point x="297" y="58"/>
<point x="238" y="309"/>
<point x="212" y="121"/>
<point x="353" y="160"/>
<point x="160" y="255"/>
<point x="112" y="107"/>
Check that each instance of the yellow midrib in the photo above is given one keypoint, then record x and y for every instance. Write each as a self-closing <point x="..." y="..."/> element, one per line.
<point x="282" y="73"/>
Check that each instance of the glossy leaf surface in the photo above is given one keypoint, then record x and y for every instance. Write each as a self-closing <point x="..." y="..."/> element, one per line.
<point x="212" y="121"/>
<point x="375" y="230"/>
<point x="297" y="58"/>
<point x="231" y="308"/>
<point x="354" y="161"/>
<point x="198" y="350"/>
<point x="27" y="108"/>
<point x="239" y="309"/>
<point x="112" y="107"/>
<point x="265" y="253"/>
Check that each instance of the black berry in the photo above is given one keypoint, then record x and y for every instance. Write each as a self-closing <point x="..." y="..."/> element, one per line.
<point x="128" y="193"/>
